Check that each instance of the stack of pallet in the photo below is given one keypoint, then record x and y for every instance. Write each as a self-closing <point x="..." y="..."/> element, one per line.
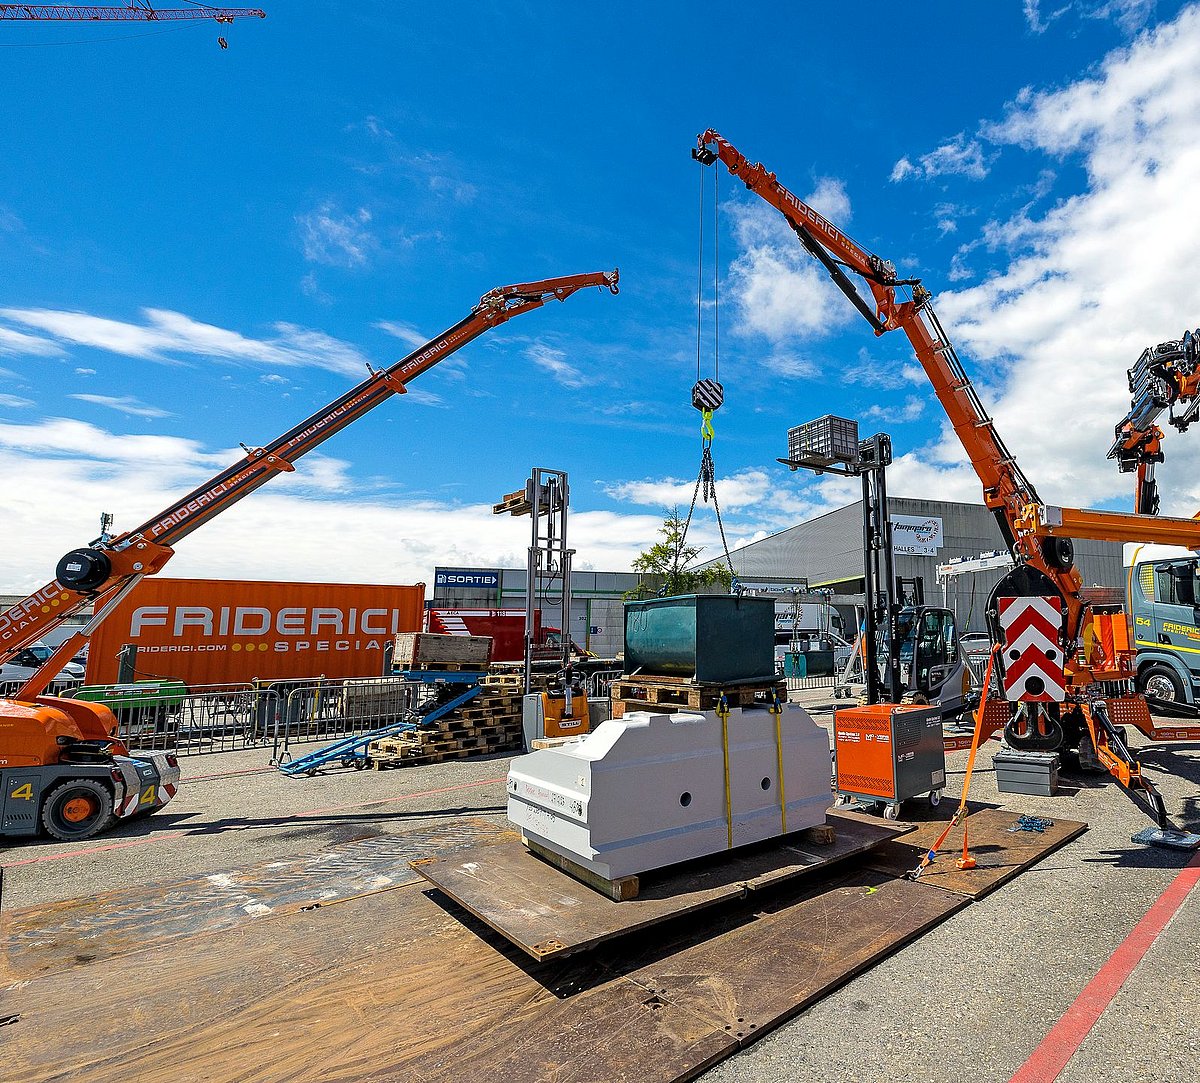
<point x="488" y="723"/>
<point x="666" y="695"/>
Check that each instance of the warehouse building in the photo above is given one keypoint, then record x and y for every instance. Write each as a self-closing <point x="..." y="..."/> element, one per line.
<point x="827" y="552"/>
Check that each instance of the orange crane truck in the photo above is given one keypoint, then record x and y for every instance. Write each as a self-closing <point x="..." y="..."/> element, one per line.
<point x="63" y="767"/>
<point x="1065" y="665"/>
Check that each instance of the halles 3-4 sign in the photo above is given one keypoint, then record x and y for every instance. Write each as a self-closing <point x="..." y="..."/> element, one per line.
<point x="916" y="535"/>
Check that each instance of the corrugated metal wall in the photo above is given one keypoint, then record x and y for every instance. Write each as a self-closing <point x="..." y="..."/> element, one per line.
<point x="828" y="551"/>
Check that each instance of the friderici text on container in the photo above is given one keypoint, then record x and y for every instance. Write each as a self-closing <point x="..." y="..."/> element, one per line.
<point x="249" y="620"/>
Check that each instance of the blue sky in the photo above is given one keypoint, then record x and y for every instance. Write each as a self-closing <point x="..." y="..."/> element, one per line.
<point x="200" y="246"/>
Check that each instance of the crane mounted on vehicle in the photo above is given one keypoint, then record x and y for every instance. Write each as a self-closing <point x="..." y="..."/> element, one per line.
<point x="62" y="765"/>
<point x="1065" y="665"/>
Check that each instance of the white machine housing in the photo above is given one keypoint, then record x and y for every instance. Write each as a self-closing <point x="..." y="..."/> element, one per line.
<point x="649" y="790"/>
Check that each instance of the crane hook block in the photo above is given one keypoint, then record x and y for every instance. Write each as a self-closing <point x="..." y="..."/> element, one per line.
<point x="707" y="395"/>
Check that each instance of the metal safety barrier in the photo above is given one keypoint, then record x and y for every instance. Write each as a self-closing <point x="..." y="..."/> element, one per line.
<point x="274" y="714"/>
<point x="335" y="709"/>
<point x="599" y="684"/>
<point x="799" y="684"/>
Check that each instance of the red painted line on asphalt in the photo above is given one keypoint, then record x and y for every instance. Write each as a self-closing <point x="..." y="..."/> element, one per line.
<point x="1049" y="1059"/>
<point x="402" y="797"/>
<point x="93" y="849"/>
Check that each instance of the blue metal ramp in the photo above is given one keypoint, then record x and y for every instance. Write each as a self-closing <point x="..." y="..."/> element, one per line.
<point x="351" y="751"/>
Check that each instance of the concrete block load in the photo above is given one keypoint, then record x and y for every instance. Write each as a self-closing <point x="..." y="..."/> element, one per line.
<point x="650" y="790"/>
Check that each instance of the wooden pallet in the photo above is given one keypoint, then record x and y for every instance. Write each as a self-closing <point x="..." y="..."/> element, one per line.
<point x="638" y="694"/>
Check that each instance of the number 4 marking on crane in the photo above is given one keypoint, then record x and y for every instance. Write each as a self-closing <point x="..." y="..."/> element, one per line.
<point x="147" y="796"/>
<point x="25" y="793"/>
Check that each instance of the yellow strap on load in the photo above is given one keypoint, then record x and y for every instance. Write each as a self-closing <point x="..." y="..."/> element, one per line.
<point x="723" y="715"/>
<point x="776" y="709"/>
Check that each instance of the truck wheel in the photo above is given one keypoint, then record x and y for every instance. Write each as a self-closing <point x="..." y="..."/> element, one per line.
<point x="77" y="809"/>
<point x="1161" y="682"/>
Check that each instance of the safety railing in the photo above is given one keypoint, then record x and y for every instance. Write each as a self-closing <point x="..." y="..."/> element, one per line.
<point x="800" y="684"/>
<point x="343" y="708"/>
<point x="275" y="714"/>
<point x="599" y="684"/>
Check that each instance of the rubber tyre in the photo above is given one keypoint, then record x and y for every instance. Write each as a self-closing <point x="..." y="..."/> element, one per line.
<point x="60" y="811"/>
<point x="1161" y="682"/>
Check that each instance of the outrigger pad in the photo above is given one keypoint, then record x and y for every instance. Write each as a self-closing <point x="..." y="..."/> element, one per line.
<point x="1173" y="840"/>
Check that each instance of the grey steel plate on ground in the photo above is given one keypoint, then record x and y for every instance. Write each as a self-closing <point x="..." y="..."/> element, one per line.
<point x="547" y="913"/>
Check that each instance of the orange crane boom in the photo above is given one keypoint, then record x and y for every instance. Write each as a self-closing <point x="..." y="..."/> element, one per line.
<point x="133" y="12"/>
<point x="104" y="571"/>
<point x="1090" y="649"/>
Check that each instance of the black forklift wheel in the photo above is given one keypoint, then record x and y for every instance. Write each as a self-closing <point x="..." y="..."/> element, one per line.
<point x="77" y="809"/>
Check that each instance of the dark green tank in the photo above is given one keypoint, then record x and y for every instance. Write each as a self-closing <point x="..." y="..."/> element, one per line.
<point x="717" y="639"/>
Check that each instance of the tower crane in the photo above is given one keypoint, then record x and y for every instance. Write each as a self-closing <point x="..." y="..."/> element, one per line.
<point x="134" y="11"/>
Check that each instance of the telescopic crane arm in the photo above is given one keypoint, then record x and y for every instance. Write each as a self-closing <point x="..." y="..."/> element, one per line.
<point x="104" y="571"/>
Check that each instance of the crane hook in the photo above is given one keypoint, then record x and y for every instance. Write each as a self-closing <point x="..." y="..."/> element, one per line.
<point x="223" y="43"/>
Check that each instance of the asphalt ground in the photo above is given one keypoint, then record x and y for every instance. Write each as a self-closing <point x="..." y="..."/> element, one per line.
<point x="970" y="1000"/>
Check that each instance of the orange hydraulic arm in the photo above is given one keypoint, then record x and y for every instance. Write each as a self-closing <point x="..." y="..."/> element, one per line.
<point x="105" y="570"/>
<point x="1164" y="376"/>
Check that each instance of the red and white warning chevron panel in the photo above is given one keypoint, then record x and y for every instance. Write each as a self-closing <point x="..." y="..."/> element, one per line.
<point x="1033" y="659"/>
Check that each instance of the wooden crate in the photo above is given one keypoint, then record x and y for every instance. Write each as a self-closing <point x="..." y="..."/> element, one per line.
<point x="429" y="650"/>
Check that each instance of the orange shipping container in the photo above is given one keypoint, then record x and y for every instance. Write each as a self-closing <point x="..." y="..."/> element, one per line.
<point x="215" y="631"/>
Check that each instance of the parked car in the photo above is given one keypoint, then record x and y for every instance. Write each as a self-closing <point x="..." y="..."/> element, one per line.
<point x="23" y="665"/>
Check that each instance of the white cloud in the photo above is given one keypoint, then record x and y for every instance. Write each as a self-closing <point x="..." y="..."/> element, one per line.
<point x="1129" y="15"/>
<point x="19" y="343"/>
<point x="318" y="520"/>
<point x="165" y="332"/>
<point x="741" y="490"/>
<point x="1099" y="276"/>
<point x="405" y="332"/>
<point x="125" y="404"/>
<point x="778" y="289"/>
<point x="15" y="402"/>
<point x="330" y="236"/>
<point x="460" y="191"/>
<point x="830" y="199"/>
<point x="425" y="398"/>
<point x="911" y="409"/>
<point x="959" y="156"/>
<point x="555" y="362"/>
<point x="85" y="372"/>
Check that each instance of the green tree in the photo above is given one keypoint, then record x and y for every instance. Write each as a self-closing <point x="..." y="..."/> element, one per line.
<point x="666" y="567"/>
